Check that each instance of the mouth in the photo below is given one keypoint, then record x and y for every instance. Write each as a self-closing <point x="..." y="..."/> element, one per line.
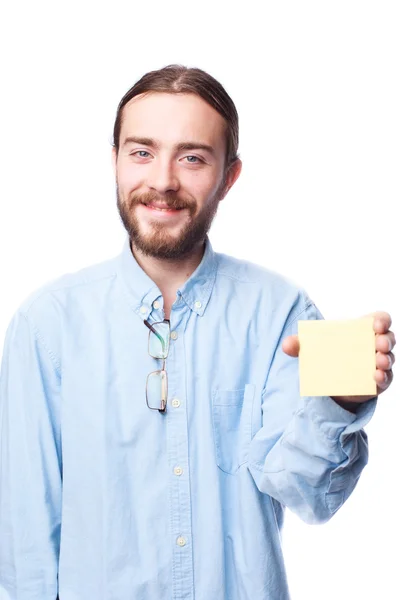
<point x="164" y="208"/>
<point x="163" y="211"/>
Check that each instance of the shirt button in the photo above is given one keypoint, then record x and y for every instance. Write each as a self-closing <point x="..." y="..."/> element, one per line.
<point x="156" y="304"/>
<point x="178" y="471"/>
<point x="143" y="309"/>
<point x="174" y="335"/>
<point x="198" y="304"/>
<point x="181" y="541"/>
<point x="175" y="402"/>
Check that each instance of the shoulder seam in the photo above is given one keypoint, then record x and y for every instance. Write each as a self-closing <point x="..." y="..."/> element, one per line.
<point x="39" y="337"/>
<point x="236" y="278"/>
<point x="49" y="289"/>
<point x="308" y="304"/>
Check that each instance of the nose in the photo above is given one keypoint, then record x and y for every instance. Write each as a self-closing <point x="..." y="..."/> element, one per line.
<point x="162" y="177"/>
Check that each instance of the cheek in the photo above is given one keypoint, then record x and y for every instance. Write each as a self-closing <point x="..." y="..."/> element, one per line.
<point x="200" y="186"/>
<point x="128" y="179"/>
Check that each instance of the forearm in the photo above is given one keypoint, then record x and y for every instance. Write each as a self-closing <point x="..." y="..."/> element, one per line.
<point x="29" y="526"/>
<point x="315" y="464"/>
<point x="30" y="468"/>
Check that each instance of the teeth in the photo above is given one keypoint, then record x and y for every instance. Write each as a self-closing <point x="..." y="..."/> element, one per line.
<point x="157" y="208"/>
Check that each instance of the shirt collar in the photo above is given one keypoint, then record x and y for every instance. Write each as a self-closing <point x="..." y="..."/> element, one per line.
<point x="142" y="291"/>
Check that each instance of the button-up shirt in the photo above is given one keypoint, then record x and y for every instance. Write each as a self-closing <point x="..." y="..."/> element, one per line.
<point x="101" y="497"/>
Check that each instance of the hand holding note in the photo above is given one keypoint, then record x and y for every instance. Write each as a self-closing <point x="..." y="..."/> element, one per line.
<point x="350" y="360"/>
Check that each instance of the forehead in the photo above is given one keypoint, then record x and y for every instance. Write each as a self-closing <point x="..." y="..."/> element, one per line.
<point x="173" y="118"/>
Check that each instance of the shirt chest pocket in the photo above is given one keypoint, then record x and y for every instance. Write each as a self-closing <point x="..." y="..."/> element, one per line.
<point x="232" y="424"/>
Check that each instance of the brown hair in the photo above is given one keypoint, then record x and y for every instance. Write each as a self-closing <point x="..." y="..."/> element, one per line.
<point x="178" y="79"/>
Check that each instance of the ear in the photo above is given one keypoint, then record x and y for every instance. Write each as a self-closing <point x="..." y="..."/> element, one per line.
<point x="231" y="176"/>
<point x="114" y="160"/>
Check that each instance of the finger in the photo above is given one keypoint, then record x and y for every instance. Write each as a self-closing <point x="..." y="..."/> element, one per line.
<point x="382" y="321"/>
<point x="291" y="345"/>
<point x="383" y="379"/>
<point x="384" y="361"/>
<point x="385" y="342"/>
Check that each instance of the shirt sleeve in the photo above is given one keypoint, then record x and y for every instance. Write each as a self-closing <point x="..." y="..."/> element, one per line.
<point x="30" y="465"/>
<point x="309" y="452"/>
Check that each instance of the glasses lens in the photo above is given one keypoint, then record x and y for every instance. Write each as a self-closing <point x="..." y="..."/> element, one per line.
<point x="159" y="342"/>
<point x="157" y="390"/>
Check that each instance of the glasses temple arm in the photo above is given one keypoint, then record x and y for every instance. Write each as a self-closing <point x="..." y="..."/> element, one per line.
<point x="160" y="337"/>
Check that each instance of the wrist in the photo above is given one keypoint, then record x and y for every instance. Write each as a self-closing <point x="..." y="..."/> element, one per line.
<point x="347" y="405"/>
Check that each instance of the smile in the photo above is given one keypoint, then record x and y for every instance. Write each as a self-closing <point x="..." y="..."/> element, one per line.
<point x="162" y="212"/>
<point x="167" y="209"/>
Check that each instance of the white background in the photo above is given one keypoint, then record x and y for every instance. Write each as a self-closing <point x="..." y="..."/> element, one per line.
<point x="316" y="85"/>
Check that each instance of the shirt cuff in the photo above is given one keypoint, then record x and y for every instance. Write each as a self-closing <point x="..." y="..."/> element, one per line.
<point x="333" y="420"/>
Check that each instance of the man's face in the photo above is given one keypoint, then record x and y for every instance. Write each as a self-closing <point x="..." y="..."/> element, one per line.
<point x="170" y="172"/>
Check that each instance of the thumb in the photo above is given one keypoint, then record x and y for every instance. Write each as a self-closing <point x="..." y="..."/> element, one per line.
<point x="291" y="345"/>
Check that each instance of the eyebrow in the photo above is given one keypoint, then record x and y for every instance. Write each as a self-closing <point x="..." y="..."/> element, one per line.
<point x="179" y="147"/>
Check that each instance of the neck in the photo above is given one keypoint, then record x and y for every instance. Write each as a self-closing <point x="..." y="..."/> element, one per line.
<point x="169" y="275"/>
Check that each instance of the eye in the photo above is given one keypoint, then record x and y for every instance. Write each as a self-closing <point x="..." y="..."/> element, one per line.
<point x="140" y="153"/>
<point x="196" y="159"/>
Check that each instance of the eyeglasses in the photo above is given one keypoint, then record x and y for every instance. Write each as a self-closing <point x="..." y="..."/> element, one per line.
<point x="157" y="382"/>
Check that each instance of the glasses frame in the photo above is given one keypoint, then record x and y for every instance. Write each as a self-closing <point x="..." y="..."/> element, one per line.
<point x="162" y="371"/>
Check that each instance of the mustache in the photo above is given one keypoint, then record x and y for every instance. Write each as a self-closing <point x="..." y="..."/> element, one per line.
<point x="171" y="200"/>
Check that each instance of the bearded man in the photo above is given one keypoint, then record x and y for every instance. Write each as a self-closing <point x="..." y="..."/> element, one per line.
<point x="152" y="429"/>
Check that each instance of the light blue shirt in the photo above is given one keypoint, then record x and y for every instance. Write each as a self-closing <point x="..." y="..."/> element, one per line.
<point x="103" y="498"/>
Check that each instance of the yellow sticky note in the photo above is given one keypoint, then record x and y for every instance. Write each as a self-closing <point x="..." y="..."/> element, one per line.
<point x="337" y="358"/>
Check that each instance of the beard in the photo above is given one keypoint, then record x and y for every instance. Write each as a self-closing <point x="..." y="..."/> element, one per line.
<point x="160" y="243"/>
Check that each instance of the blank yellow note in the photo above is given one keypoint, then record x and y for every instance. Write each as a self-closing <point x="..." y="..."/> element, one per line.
<point x="337" y="358"/>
